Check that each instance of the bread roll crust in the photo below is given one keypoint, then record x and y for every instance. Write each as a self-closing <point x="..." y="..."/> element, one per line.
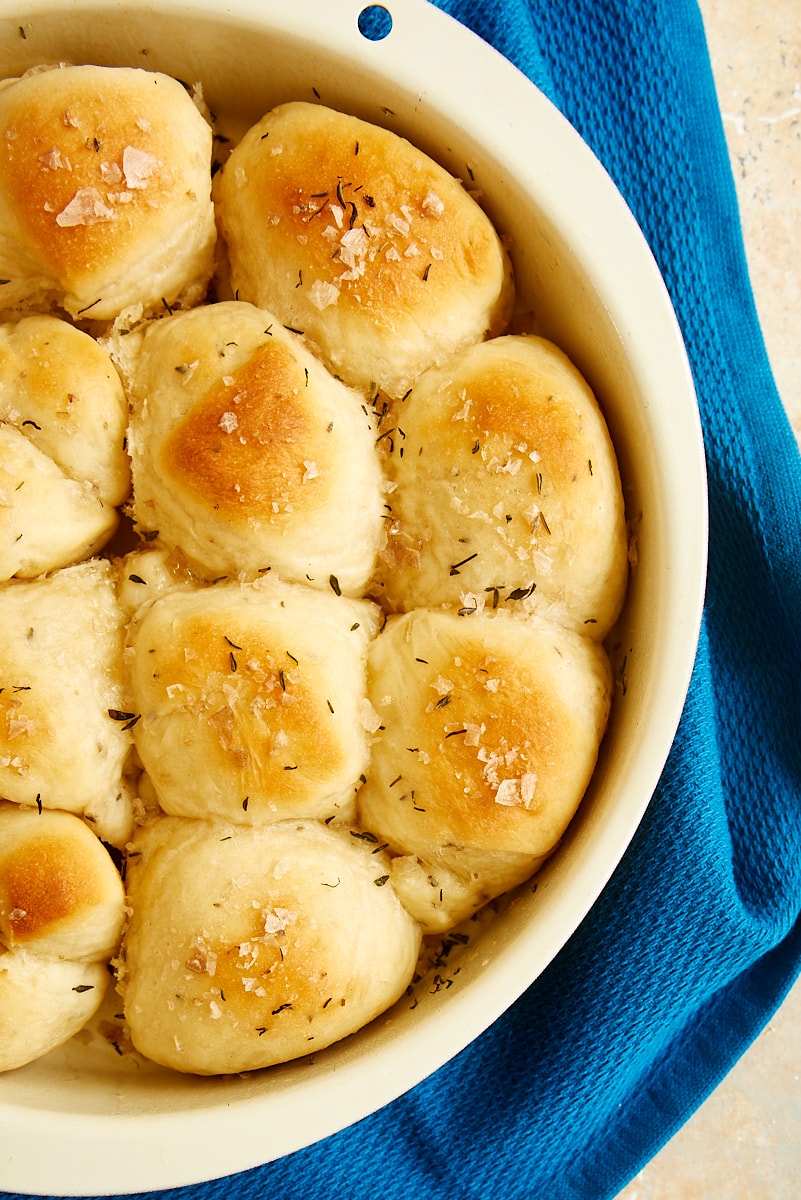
<point x="47" y="520"/>
<point x="250" y="700"/>
<point x="359" y="239"/>
<point x="489" y="733"/>
<point x="60" y="387"/>
<point x="44" y="1002"/>
<point x="248" y="454"/>
<point x="104" y="191"/>
<point x="64" y="466"/>
<point x="60" y="892"/>
<point x="507" y="491"/>
<point x="249" y="947"/>
<point x="61" y="647"/>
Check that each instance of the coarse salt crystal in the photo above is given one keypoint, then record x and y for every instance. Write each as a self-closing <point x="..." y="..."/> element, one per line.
<point x="433" y="205"/>
<point x="368" y="716"/>
<point x="399" y="224"/>
<point x="517" y="793"/>
<point x="54" y="160"/>
<point x="138" y="166"/>
<point x="110" y="172"/>
<point x="228" y="422"/>
<point x="323" y="294"/>
<point x="85" y="208"/>
<point x="464" y="411"/>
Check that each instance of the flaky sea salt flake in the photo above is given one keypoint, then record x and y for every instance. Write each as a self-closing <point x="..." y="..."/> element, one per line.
<point x="85" y="208"/>
<point x="323" y="294"/>
<point x="138" y="166"/>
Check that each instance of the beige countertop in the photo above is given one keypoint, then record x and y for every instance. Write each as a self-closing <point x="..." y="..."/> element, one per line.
<point x="744" y="1143"/>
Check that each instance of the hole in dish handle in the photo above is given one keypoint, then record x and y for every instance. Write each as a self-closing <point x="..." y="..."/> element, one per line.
<point x="375" y="22"/>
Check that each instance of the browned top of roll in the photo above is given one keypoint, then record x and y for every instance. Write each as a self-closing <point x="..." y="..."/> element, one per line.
<point x="241" y="476"/>
<point x="60" y="893"/>
<point x="369" y="246"/>
<point x="99" y="167"/>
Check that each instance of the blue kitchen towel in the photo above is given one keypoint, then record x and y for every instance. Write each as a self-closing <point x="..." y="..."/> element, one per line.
<point x="697" y="938"/>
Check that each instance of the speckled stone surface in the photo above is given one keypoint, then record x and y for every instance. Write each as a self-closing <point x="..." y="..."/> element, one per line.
<point x="744" y="1143"/>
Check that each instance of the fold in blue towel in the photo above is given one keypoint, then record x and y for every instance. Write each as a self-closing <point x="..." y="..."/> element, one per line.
<point x="696" y="939"/>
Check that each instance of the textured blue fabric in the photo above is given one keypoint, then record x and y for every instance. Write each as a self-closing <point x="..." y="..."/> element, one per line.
<point x="697" y="938"/>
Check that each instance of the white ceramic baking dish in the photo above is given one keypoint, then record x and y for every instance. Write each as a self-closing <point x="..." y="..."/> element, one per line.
<point x="85" y="1120"/>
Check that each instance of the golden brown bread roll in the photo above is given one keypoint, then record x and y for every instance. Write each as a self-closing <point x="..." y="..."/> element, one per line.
<point x="507" y="490"/>
<point x="60" y="893"/>
<point x="63" y="466"/>
<point x="104" y="192"/>
<point x="248" y="454"/>
<point x="250" y="699"/>
<point x="248" y="947"/>
<point x="356" y="237"/>
<point x="489" y="732"/>
<point x="63" y="730"/>
<point x="43" y="1002"/>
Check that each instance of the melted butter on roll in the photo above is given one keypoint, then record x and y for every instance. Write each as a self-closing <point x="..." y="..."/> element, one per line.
<point x="363" y="242"/>
<point x="248" y="454"/>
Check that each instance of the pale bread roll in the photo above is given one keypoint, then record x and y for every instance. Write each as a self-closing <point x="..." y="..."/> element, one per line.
<point x="60" y="893"/>
<point x="105" y="181"/>
<point x="63" y="735"/>
<point x="249" y="947"/>
<point x="47" y="520"/>
<point x="507" y="490"/>
<point x="247" y="454"/>
<point x="250" y="699"/>
<point x="44" y="1002"/>
<point x="359" y="239"/>
<point x="488" y="730"/>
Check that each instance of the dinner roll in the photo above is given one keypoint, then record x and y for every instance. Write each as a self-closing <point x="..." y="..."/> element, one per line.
<point x="507" y="490"/>
<point x="105" y="181"/>
<point x="248" y="454"/>
<point x="359" y="239"/>
<point x="63" y="466"/>
<point x="488" y="729"/>
<point x="63" y="725"/>
<point x="43" y="1002"/>
<point x="60" y="893"/>
<point x="250" y="699"/>
<point x="249" y="947"/>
